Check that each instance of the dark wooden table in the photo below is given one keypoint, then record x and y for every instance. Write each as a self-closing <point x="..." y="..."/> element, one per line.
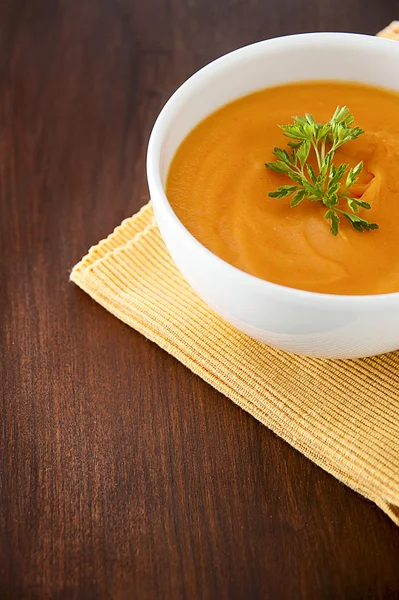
<point x="122" y="475"/>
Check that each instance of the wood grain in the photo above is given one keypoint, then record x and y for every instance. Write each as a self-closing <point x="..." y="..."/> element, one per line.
<point x="122" y="475"/>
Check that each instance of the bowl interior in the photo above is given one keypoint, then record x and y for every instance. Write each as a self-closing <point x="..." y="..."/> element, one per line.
<point x="328" y="56"/>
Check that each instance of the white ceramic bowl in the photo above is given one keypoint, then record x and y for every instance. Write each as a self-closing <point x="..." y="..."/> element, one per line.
<point x="322" y="325"/>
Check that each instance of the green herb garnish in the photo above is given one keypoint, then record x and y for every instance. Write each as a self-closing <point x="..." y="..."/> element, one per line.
<point x="327" y="185"/>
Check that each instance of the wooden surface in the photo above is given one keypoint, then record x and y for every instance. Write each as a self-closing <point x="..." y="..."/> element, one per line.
<point x="122" y="475"/>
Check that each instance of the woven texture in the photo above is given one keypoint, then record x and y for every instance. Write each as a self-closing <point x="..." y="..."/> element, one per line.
<point x="343" y="415"/>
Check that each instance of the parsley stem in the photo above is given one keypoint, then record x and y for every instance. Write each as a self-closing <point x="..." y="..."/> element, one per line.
<point x="314" y="144"/>
<point x="323" y="150"/>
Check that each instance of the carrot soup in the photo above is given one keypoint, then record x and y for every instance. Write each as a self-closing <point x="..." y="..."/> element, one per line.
<point x="219" y="188"/>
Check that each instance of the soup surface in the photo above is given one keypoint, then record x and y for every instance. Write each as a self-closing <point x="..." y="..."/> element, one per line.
<point x="218" y="187"/>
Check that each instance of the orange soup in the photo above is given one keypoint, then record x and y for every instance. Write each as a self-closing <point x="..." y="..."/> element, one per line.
<point x="218" y="187"/>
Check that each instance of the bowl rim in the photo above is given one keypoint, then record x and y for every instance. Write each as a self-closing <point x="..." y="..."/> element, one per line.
<point x="173" y="106"/>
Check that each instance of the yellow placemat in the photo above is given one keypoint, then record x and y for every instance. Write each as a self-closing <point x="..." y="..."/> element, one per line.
<point x="343" y="415"/>
<point x="391" y="31"/>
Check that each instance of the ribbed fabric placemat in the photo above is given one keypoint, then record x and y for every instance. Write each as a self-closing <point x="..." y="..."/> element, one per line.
<point x="343" y="415"/>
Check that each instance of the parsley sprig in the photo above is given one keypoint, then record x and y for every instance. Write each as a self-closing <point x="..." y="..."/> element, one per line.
<point x="327" y="184"/>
